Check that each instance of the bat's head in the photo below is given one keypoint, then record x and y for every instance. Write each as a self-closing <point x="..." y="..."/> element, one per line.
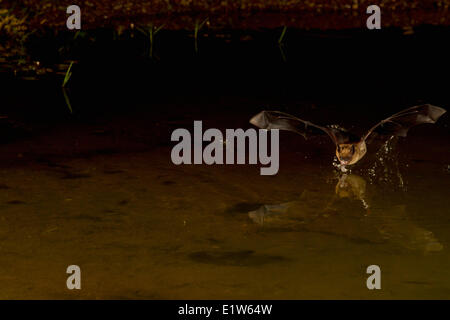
<point x="350" y="153"/>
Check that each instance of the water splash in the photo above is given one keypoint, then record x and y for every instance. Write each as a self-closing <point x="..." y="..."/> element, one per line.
<point x="385" y="168"/>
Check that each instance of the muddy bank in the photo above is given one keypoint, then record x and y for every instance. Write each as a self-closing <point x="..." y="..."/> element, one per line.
<point x="243" y="14"/>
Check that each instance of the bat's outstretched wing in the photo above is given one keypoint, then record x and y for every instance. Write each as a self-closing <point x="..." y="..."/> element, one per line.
<point x="399" y="123"/>
<point x="283" y="121"/>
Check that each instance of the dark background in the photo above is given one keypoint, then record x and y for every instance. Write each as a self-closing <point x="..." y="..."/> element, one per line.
<point x="376" y="68"/>
<point x="353" y="78"/>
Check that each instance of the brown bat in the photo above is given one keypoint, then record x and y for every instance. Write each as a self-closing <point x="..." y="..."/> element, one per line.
<point x="349" y="147"/>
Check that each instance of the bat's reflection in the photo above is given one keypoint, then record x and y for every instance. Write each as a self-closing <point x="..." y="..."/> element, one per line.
<point x="351" y="213"/>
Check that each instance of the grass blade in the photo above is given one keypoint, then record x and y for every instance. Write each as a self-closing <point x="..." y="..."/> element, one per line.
<point x="280" y="39"/>
<point x="66" y="98"/>
<point x="68" y="75"/>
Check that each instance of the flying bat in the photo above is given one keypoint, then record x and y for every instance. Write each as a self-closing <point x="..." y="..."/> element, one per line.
<point x="351" y="148"/>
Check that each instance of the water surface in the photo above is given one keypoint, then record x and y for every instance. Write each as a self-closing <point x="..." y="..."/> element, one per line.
<point x="141" y="227"/>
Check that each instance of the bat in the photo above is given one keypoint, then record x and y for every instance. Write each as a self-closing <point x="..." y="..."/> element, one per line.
<point x="351" y="148"/>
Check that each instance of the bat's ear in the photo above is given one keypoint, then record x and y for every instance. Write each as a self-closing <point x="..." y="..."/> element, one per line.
<point x="260" y="120"/>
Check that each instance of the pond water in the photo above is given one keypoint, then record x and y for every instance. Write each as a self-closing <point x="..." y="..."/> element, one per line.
<point x="141" y="227"/>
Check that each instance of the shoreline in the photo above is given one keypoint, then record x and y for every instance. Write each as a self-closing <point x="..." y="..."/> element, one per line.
<point x="244" y="14"/>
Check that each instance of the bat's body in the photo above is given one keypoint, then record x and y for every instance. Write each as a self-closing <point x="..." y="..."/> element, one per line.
<point x="351" y="153"/>
<point x="350" y="148"/>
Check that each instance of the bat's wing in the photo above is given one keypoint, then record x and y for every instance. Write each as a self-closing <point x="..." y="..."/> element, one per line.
<point x="283" y="121"/>
<point x="399" y="123"/>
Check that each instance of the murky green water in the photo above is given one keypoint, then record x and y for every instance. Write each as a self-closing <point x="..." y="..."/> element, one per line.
<point x="140" y="227"/>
